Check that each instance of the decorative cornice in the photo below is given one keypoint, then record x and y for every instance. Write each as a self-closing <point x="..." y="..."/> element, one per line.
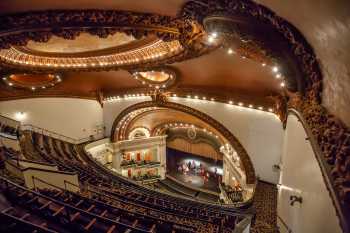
<point x="242" y="153"/>
<point x="40" y="26"/>
<point x="169" y="72"/>
<point x="248" y="9"/>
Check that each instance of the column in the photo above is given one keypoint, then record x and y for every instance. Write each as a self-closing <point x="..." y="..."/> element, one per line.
<point x="161" y="156"/>
<point x="116" y="158"/>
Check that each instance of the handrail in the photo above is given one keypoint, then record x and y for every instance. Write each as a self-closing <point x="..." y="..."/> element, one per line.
<point x="56" y="135"/>
<point x="52" y="185"/>
<point x="22" y="169"/>
<point x="33" y="127"/>
<point x="242" y="225"/>
<point x="8" y="136"/>
<point x="192" y="188"/>
<point x="32" y="225"/>
<point x="38" y="162"/>
<point x="289" y="230"/>
<point x="10" y="119"/>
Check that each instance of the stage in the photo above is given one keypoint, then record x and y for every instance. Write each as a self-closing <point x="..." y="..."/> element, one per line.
<point x="193" y="170"/>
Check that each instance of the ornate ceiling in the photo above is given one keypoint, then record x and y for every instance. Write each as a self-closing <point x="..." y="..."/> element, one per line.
<point x="92" y="49"/>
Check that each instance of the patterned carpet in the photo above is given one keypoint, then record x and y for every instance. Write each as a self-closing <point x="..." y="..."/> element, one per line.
<point x="265" y="203"/>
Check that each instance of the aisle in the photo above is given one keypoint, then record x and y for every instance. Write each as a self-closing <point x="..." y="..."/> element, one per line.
<point x="265" y="203"/>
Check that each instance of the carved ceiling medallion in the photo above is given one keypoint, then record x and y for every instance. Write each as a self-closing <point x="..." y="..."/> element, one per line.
<point x="32" y="81"/>
<point x="191" y="133"/>
<point x="83" y="45"/>
<point x="158" y="78"/>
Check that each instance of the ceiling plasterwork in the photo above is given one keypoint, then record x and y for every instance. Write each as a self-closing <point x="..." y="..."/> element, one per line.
<point x="148" y="40"/>
<point x="157" y="77"/>
<point x="84" y="43"/>
<point x="32" y="81"/>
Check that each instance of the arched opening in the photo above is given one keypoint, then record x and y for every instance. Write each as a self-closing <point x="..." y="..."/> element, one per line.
<point x="129" y="118"/>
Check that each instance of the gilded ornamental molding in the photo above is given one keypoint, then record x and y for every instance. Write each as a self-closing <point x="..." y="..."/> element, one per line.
<point x="177" y="39"/>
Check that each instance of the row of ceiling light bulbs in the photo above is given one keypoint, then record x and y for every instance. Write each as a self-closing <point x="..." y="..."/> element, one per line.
<point x="274" y="69"/>
<point x="196" y="97"/>
<point x="114" y="59"/>
<point x="240" y="104"/>
<point x="34" y="88"/>
<point x="230" y="51"/>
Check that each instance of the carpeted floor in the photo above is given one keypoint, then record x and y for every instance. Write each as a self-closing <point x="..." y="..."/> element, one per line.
<point x="265" y="203"/>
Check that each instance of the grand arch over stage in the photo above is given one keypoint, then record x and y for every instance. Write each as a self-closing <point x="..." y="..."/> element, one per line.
<point x="131" y="112"/>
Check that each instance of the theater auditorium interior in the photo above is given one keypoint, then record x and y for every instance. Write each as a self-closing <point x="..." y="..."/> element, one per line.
<point x="177" y="116"/>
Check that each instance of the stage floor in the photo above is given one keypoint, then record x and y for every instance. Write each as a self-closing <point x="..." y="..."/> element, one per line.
<point x="193" y="177"/>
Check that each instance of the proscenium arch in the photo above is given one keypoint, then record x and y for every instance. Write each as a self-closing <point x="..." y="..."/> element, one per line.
<point x="242" y="153"/>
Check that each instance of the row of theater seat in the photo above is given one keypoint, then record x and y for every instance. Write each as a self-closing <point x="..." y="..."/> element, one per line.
<point x="119" y="191"/>
<point x="113" y="203"/>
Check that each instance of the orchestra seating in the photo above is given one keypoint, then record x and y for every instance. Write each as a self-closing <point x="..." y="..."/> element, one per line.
<point x="106" y="202"/>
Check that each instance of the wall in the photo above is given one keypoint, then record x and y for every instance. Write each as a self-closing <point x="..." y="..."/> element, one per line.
<point x="76" y="118"/>
<point x="304" y="179"/>
<point x="112" y="109"/>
